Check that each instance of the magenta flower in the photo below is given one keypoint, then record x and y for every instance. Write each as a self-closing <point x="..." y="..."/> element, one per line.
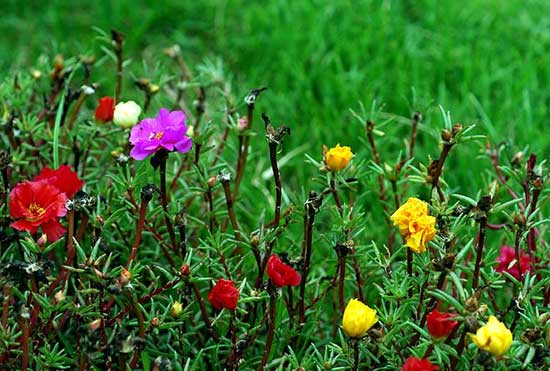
<point x="507" y="261"/>
<point x="166" y="131"/>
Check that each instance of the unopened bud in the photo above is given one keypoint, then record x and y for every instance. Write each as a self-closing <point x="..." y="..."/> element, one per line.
<point x="176" y="310"/>
<point x="59" y="296"/>
<point x="212" y="181"/>
<point x="457" y="128"/>
<point x="190" y="131"/>
<point x="243" y="122"/>
<point x="42" y="240"/>
<point x="94" y="325"/>
<point x="125" y="277"/>
<point x="446" y="135"/>
<point x="520" y="220"/>
<point x="185" y="270"/>
<point x="472" y="303"/>
<point x="153" y="89"/>
<point x="255" y="240"/>
<point x="517" y="159"/>
<point x="155" y="322"/>
<point x="36" y="74"/>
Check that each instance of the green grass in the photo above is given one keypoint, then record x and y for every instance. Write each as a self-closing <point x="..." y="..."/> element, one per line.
<point x="485" y="61"/>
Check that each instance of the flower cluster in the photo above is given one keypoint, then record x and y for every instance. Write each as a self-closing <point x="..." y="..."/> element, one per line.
<point x="494" y="337"/>
<point x="358" y="319"/>
<point x="415" y="225"/>
<point x="40" y="202"/>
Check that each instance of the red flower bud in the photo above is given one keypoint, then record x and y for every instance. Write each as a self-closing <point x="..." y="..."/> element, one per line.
<point x="440" y="324"/>
<point x="105" y="110"/>
<point x="416" y="364"/>
<point x="282" y="274"/>
<point x="224" y="295"/>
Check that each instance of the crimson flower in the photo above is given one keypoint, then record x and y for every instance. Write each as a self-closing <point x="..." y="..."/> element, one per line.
<point x="416" y="364"/>
<point x="105" y="109"/>
<point x="282" y="274"/>
<point x="224" y="295"/>
<point x="440" y="324"/>
<point x="507" y="262"/>
<point x="39" y="203"/>
<point x="63" y="178"/>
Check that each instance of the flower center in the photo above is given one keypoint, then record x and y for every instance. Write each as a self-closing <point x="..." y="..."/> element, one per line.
<point x="36" y="211"/>
<point x="154" y="135"/>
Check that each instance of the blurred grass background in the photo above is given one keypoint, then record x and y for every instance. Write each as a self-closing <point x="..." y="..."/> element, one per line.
<point x="486" y="61"/>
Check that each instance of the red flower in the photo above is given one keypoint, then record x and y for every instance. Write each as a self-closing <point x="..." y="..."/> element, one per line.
<point x="105" y="110"/>
<point x="63" y="178"/>
<point x="224" y="295"/>
<point x="440" y="325"/>
<point x="38" y="204"/>
<point x="416" y="364"/>
<point x="282" y="274"/>
<point x="507" y="262"/>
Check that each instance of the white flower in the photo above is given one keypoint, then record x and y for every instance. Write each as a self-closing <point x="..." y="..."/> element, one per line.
<point x="126" y="114"/>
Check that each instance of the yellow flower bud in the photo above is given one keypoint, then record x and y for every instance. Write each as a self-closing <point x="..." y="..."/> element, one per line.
<point x="494" y="337"/>
<point x="358" y="319"/>
<point x="338" y="157"/>
<point x="415" y="224"/>
<point x="176" y="309"/>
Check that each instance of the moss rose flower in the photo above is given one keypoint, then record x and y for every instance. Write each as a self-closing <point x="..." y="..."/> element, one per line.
<point x="440" y="324"/>
<point x="224" y="295"/>
<point x="415" y="225"/>
<point x="126" y="114"/>
<point x="507" y="262"/>
<point x="417" y="364"/>
<point x="337" y="158"/>
<point x="39" y="204"/>
<point x="105" y="109"/>
<point x="167" y="130"/>
<point x="282" y="274"/>
<point x="358" y="319"/>
<point x="494" y="337"/>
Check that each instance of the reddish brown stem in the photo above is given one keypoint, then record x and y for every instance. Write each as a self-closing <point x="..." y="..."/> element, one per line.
<point x="270" y="331"/>
<point x="139" y="231"/>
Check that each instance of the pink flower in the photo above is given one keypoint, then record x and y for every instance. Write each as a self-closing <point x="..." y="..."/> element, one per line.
<point x="507" y="262"/>
<point x="167" y="130"/>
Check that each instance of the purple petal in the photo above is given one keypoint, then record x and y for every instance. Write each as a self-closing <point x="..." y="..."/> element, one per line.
<point x="139" y="153"/>
<point x="184" y="145"/>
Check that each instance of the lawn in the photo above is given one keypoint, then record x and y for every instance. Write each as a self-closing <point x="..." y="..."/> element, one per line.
<point x="352" y="73"/>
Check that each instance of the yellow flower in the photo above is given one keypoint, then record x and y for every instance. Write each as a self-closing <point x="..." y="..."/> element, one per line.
<point x="358" y="319"/>
<point x="338" y="157"/>
<point x="415" y="224"/>
<point x="494" y="337"/>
